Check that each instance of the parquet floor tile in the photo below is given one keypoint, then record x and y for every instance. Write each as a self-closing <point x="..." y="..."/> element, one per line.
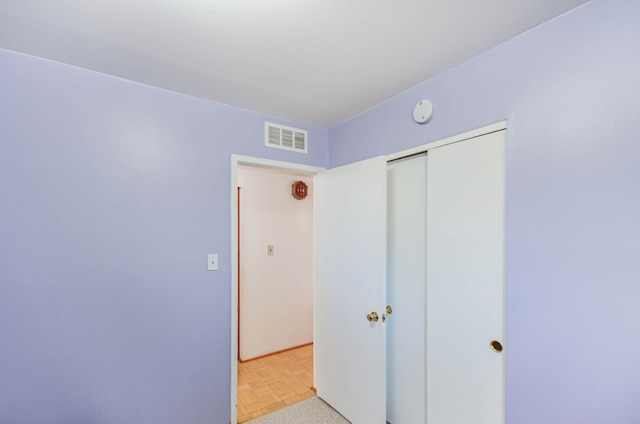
<point x="273" y="382"/>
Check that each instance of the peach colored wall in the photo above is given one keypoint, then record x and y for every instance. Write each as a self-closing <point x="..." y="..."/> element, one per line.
<point x="276" y="291"/>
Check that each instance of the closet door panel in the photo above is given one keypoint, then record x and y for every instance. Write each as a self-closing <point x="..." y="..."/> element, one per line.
<point x="406" y="290"/>
<point x="465" y="281"/>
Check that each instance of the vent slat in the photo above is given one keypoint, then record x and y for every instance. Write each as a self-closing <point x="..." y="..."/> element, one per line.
<point x="299" y="141"/>
<point x="274" y="136"/>
<point x="287" y="138"/>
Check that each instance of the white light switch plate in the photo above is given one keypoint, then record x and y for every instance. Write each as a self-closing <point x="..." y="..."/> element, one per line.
<point x="212" y="264"/>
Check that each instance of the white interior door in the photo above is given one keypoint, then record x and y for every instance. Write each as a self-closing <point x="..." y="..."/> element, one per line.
<point x="350" y="233"/>
<point x="406" y="290"/>
<point x="465" y="281"/>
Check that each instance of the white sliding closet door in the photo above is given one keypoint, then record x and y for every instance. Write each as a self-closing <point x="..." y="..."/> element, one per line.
<point x="465" y="281"/>
<point x="406" y="289"/>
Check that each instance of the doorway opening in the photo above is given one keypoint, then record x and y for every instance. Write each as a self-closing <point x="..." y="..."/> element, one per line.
<point x="272" y="286"/>
<point x="275" y="290"/>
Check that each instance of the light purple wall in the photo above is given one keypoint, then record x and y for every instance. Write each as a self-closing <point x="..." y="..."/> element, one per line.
<point x="112" y="193"/>
<point x="570" y="90"/>
<point x="111" y="196"/>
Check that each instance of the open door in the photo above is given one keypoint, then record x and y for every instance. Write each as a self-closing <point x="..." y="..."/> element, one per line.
<point x="350" y="284"/>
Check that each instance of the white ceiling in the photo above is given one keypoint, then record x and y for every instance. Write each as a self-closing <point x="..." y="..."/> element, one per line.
<point x="318" y="62"/>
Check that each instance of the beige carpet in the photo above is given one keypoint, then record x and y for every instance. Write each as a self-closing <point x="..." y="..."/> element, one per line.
<point x="310" y="411"/>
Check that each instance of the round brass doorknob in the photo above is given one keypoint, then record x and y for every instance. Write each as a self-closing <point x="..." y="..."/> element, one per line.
<point x="373" y="316"/>
<point x="496" y="346"/>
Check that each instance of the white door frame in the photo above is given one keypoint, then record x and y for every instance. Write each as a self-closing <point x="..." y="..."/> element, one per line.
<point x="236" y="161"/>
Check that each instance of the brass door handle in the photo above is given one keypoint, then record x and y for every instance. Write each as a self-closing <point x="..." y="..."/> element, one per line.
<point x="372" y="317"/>
<point x="389" y="311"/>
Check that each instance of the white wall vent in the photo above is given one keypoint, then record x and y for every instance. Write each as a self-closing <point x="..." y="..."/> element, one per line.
<point x="287" y="138"/>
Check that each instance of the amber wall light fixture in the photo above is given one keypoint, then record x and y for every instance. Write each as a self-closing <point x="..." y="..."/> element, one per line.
<point x="299" y="190"/>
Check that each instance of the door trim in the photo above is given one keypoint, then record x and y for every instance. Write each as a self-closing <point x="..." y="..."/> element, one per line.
<point x="236" y="161"/>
